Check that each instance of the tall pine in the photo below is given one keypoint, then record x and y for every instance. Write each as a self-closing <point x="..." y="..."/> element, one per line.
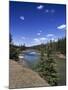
<point x="50" y="69"/>
<point x="46" y="67"/>
<point x="13" y="50"/>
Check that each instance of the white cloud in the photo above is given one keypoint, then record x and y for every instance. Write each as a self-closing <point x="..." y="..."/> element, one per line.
<point x="39" y="33"/>
<point x="54" y="39"/>
<point x="49" y="35"/>
<point x="43" y="39"/>
<point x="40" y="40"/>
<point x="52" y="11"/>
<point x="63" y="26"/>
<point x="23" y="38"/>
<point x="36" y="39"/>
<point x="22" y="17"/>
<point x="40" y="7"/>
<point x="46" y="10"/>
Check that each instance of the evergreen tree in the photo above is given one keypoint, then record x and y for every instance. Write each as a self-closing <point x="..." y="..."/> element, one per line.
<point x="13" y="50"/>
<point x="22" y="47"/>
<point x="13" y="53"/>
<point x="50" y="69"/>
<point x="61" y="45"/>
<point x="10" y="38"/>
<point x="46" y="67"/>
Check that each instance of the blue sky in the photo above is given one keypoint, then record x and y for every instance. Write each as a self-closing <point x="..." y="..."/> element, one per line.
<point x="36" y="23"/>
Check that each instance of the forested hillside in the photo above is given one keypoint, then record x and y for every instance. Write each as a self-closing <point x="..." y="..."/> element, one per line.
<point x="58" y="46"/>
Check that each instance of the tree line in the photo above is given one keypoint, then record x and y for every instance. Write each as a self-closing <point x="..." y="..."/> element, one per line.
<point x="57" y="46"/>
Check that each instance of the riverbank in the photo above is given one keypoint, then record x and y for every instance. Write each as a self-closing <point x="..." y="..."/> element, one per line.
<point x="21" y="77"/>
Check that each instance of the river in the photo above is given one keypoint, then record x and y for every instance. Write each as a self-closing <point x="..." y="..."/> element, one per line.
<point x="30" y="56"/>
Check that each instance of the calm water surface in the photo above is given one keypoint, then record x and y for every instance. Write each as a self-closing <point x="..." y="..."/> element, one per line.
<point x="31" y="56"/>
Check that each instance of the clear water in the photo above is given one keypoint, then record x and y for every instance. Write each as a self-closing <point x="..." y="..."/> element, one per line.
<point x="31" y="56"/>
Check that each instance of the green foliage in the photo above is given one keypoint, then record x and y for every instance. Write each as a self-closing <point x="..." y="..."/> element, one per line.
<point x="10" y="38"/>
<point x="51" y="73"/>
<point x="46" y="68"/>
<point x="14" y="53"/>
<point x="22" y="47"/>
<point x="61" y="46"/>
<point x="56" y="46"/>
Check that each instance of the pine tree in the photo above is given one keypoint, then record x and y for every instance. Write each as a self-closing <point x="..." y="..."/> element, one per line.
<point x="13" y="50"/>
<point x="46" y="67"/>
<point x="50" y="70"/>
<point x="23" y="47"/>
<point x="10" y="38"/>
<point x="40" y="68"/>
